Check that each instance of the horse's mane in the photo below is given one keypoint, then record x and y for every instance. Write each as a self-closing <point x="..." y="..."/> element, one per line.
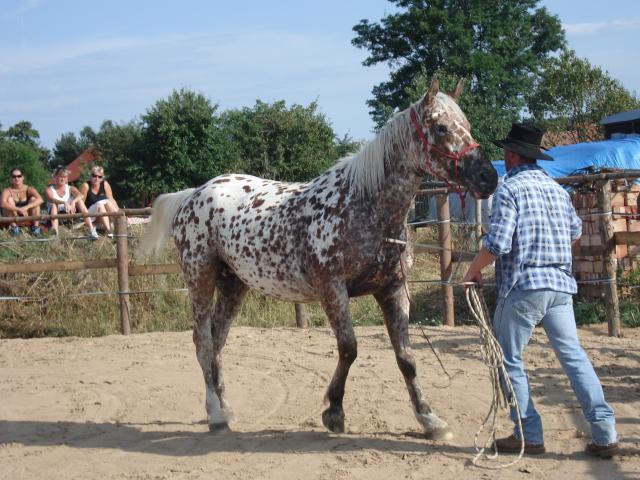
<point x="366" y="168"/>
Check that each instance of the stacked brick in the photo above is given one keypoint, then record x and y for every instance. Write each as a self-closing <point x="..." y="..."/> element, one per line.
<point x="588" y="268"/>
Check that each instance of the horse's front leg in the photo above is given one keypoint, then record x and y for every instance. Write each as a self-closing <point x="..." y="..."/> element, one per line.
<point x="395" y="308"/>
<point x="335" y="302"/>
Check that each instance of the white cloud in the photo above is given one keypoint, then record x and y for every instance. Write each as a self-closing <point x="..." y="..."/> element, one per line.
<point x="590" y="28"/>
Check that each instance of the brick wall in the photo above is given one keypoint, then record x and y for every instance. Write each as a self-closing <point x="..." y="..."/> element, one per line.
<point x="624" y="200"/>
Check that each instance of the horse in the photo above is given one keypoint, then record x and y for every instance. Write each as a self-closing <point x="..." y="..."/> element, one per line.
<point x="322" y="241"/>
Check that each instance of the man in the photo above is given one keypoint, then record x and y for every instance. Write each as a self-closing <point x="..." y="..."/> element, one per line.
<point x="533" y="225"/>
<point x="21" y="200"/>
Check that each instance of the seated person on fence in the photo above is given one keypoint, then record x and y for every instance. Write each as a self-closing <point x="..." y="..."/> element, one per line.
<point x="20" y="200"/>
<point x="98" y="197"/>
<point x="64" y="198"/>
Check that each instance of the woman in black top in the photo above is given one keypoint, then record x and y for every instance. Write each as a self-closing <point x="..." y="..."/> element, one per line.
<point x="20" y="200"/>
<point x="98" y="197"/>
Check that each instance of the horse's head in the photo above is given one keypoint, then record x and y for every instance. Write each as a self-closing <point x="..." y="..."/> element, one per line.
<point x="449" y="151"/>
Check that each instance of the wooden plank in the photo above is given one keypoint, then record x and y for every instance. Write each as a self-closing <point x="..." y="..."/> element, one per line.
<point x="61" y="266"/>
<point x="157" y="269"/>
<point x="627" y="238"/>
<point x="134" y="212"/>
<point x="599" y="177"/>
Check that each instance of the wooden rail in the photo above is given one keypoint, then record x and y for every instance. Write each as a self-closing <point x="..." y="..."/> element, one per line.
<point x="127" y="269"/>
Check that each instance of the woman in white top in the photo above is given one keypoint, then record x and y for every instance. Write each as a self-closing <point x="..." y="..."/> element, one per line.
<point x="65" y="198"/>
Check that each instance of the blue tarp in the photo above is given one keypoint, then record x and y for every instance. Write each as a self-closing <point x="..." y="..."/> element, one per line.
<point x="621" y="153"/>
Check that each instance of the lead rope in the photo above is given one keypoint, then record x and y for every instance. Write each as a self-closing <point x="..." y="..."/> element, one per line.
<point x="494" y="360"/>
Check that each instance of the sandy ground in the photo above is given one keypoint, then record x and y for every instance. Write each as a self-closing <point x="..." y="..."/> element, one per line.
<point x="132" y="408"/>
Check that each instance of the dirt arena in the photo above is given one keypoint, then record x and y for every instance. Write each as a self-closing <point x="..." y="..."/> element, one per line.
<point x="132" y="408"/>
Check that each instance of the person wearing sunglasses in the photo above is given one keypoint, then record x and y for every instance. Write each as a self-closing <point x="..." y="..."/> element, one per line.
<point x="20" y="200"/>
<point x="65" y="198"/>
<point x="98" y="197"/>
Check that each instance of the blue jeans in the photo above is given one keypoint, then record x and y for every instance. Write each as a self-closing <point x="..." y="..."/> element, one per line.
<point x="516" y="316"/>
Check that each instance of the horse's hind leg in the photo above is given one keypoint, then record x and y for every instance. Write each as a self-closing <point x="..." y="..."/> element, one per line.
<point x="336" y="305"/>
<point x="395" y="308"/>
<point x="231" y="293"/>
<point x="209" y="334"/>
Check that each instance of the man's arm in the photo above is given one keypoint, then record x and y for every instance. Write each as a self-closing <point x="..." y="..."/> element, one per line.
<point x="481" y="260"/>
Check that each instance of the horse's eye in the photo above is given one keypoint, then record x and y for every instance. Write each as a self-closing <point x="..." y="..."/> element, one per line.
<point x="441" y="129"/>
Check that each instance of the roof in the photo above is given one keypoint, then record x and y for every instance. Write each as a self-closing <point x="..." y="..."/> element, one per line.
<point x="619" y="153"/>
<point x="622" y="117"/>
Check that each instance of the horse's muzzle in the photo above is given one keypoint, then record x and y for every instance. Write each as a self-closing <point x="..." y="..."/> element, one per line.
<point x="478" y="174"/>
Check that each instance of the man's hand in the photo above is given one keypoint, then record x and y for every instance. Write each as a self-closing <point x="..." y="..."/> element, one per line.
<point x="70" y="207"/>
<point x="473" y="277"/>
<point x="482" y="259"/>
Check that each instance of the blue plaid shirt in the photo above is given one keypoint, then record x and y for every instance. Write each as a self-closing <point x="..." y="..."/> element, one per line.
<point x="533" y="223"/>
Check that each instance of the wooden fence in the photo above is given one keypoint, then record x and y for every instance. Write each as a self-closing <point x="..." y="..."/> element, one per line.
<point x="444" y="248"/>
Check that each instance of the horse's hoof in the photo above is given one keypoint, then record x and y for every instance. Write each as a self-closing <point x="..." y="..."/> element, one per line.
<point x="439" y="434"/>
<point x="219" y="427"/>
<point x="333" y="420"/>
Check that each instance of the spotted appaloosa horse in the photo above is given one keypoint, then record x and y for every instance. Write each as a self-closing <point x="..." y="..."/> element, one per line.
<point x="322" y="241"/>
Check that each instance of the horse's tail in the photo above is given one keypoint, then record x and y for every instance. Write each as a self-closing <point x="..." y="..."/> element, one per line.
<point x="159" y="229"/>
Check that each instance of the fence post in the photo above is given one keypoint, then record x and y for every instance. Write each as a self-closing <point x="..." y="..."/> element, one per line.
<point x="609" y="259"/>
<point x="478" y="225"/>
<point x="444" y="240"/>
<point x="302" y="316"/>
<point x="122" y="257"/>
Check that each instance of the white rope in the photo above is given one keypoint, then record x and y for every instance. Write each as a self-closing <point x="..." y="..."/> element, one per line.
<point x="494" y="359"/>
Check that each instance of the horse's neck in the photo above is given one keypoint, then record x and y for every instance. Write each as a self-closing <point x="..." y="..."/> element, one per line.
<point x="396" y="195"/>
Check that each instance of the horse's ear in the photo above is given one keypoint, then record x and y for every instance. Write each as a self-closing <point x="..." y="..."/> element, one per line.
<point x="432" y="92"/>
<point x="457" y="91"/>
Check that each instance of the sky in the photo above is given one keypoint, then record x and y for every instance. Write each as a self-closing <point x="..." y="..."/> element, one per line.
<point x="65" y="64"/>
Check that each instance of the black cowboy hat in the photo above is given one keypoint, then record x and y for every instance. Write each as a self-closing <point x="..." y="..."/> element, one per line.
<point x="524" y="140"/>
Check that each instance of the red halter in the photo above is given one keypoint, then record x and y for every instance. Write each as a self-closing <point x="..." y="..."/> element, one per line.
<point x="454" y="156"/>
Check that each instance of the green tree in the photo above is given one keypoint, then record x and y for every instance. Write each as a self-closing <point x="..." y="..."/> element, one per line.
<point x="498" y="46"/>
<point x="65" y="150"/>
<point x="23" y="133"/>
<point x="183" y="144"/>
<point x="573" y="96"/>
<point x="346" y="145"/>
<point x="122" y="155"/>
<point x="25" y="157"/>
<point x="288" y="144"/>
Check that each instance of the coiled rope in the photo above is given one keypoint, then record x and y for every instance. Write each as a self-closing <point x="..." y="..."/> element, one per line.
<point x="494" y="360"/>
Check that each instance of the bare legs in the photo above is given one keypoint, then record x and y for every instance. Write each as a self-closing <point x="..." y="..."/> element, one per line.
<point x="80" y="207"/>
<point x="12" y="211"/>
<point x="105" y="222"/>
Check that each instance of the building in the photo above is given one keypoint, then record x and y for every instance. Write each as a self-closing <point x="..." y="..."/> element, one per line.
<point x="623" y="122"/>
